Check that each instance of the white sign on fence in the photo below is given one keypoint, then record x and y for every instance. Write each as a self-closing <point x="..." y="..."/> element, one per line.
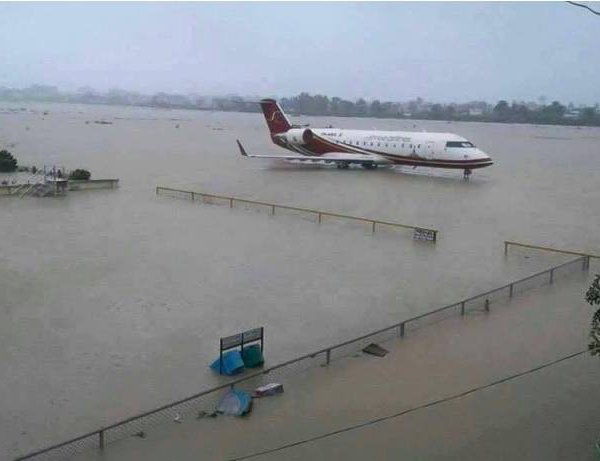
<point x="429" y="235"/>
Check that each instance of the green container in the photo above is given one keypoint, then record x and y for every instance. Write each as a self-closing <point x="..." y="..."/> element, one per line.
<point x="252" y="356"/>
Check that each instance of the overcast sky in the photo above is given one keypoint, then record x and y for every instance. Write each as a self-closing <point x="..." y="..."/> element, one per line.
<point x="390" y="51"/>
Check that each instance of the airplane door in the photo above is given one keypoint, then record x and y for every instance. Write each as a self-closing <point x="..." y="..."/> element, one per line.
<point x="429" y="149"/>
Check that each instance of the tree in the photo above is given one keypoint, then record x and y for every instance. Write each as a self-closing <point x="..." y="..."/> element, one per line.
<point x="375" y="108"/>
<point x="334" y="105"/>
<point x="80" y="174"/>
<point x="347" y="108"/>
<point x="361" y="107"/>
<point x="304" y="104"/>
<point x="592" y="296"/>
<point x="437" y="111"/>
<point x="7" y="162"/>
<point x="588" y="115"/>
<point x="502" y="110"/>
<point x="553" y="113"/>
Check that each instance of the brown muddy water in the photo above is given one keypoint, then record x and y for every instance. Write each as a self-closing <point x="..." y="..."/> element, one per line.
<point x="112" y="302"/>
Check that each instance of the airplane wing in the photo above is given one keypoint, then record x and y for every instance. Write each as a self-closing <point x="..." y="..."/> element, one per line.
<point x="330" y="157"/>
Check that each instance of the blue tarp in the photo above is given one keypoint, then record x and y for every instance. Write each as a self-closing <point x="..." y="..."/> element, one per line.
<point x="232" y="363"/>
<point x="235" y="402"/>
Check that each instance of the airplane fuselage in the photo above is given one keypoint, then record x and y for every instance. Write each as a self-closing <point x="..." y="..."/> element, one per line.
<point x="441" y="150"/>
<point x="369" y="148"/>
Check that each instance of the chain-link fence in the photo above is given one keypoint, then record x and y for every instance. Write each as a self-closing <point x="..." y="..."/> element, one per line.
<point x="206" y="401"/>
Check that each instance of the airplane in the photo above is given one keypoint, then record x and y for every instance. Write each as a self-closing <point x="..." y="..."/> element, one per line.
<point x="369" y="148"/>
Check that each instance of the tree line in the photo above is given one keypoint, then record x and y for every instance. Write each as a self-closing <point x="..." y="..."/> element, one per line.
<point x="503" y="112"/>
<point x="307" y="104"/>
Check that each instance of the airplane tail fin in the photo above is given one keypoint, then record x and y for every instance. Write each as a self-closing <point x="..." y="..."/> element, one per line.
<point x="275" y="117"/>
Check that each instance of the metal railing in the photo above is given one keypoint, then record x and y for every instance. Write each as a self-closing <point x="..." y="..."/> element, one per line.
<point x="82" y="184"/>
<point x="9" y="189"/>
<point x="508" y="243"/>
<point x="136" y="425"/>
<point x="274" y="206"/>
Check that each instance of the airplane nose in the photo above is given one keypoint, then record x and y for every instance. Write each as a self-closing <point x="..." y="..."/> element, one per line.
<point x="481" y="155"/>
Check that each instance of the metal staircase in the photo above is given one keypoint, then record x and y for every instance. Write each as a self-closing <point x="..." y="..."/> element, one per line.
<point x="36" y="186"/>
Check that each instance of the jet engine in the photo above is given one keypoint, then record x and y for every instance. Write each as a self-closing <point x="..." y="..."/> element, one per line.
<point x="297" y="136"/>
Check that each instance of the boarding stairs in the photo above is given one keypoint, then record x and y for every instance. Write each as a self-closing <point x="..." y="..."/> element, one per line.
<point x="41" y="190"/>
<point x="36" y="186"/>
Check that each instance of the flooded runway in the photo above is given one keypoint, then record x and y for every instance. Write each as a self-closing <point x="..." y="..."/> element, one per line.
<point x="112" y="302"/>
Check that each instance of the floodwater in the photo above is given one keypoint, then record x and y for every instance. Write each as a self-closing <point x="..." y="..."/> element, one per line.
<point x="112" y="302"/>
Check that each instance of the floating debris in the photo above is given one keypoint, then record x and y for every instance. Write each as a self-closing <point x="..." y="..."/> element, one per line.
<point x="268" y="390"/>
<point x="235" y="403"/>
<point x="376" y="350"/>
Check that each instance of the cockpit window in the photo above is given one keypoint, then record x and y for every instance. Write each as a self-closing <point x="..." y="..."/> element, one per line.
<point x="459" y="144"/>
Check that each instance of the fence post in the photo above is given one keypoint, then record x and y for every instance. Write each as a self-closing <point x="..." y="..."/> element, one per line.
<point x="319" y="214"/>
<point x="192" y="196"/>
<point x="373" y="230"/>
<point x="586" y="263"/>
<point x="327" y="356"/>
<point x="505" y="248"/>
<point x="402" y="330"/>
<point x="156" y="190"/>
<point x="510" y="294"/>
<point x="551" y="276"/>
<point x="462" y="308"/>
<point x="273" y="210"/>
<point x="487" y="305"/>
<point x="101" y="439"/>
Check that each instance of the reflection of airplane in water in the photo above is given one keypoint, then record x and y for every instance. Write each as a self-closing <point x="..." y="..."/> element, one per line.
<point x="369" y="148"/>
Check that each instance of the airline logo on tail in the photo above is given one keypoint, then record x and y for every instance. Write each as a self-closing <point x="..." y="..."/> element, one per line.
<point x="275" y="114"/>
<point x="276" y="120"/>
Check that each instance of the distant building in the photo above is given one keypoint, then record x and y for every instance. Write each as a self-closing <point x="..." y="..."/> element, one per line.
<point x="170" y="100"/>
<point x="572" y="114"/>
